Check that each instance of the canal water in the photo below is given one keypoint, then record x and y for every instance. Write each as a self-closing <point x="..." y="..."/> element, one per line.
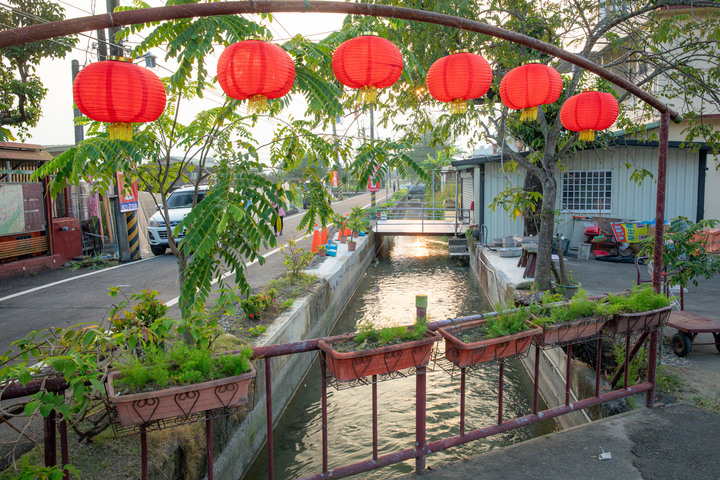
<point x="386" y="296"/>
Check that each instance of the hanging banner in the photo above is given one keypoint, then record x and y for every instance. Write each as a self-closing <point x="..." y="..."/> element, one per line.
<point x="373" y="186"/>
<point x="335" y="178"/>
<point x="629" y="232"/>
<point x="128" y="199"/>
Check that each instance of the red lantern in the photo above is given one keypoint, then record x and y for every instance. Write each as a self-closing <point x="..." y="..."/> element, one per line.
<point x="367" y="63"/>
<point x="459" y="77"/>
<point x="255" y="70"/>
<point x="528" y="86"/>
<point x="120" y="93"/>
<point x="589" y="112"/>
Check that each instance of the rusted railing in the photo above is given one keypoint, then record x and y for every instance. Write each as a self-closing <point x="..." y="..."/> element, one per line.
<point x="422" y="447"/>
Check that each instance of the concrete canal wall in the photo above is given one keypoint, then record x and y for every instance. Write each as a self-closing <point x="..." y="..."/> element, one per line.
<point x="500" y="277"/>
<point x="238" y="442"/>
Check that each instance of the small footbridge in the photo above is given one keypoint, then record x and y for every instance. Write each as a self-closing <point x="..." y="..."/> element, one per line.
<point x="422" y="219"/>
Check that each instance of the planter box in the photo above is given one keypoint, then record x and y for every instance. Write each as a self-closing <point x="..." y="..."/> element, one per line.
<point x="346" y="366"/>
<point x="570" y="332"/>
<point x="140" y="408"/>
<point x="466" y="354"/>
<point x="622" y="323"/>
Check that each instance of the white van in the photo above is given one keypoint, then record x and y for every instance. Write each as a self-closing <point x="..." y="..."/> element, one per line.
<point x="179" y="205"/>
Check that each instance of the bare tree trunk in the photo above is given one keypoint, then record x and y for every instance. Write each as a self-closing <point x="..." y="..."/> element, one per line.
<point x="532" y="218"/>
<point x="545" y="235"/>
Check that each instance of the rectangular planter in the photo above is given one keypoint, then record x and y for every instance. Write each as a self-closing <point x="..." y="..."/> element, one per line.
<point x="467" y="354"/>
<point x="570" y="332"/>
<point x="622" y="323"/>
<point x="140" y="408"/>
<point x="346" y="366"/>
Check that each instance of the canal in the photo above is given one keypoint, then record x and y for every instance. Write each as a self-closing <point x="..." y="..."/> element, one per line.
<point x="386" y="296"/>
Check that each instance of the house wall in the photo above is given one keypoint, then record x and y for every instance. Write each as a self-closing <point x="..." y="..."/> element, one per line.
<point x="629" y="200"/>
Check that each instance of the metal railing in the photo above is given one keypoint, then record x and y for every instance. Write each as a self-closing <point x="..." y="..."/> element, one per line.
<point x="422" y="446"/>
<point x="421" y="217"/>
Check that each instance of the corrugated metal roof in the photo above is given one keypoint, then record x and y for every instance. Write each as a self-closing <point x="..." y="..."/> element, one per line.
<point x="23" y="151"/>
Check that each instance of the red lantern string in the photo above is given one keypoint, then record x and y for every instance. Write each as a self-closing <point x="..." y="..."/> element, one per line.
<point x="528" y="86"/>
<point x="367" y="63"/>
<point x="255" y="70"/>
<point x="589" y="112"/>
<point x="459" y="77"/>
<point x="120" y="93"/>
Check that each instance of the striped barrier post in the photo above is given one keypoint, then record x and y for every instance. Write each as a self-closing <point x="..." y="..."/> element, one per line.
<point x="133" y="234"/>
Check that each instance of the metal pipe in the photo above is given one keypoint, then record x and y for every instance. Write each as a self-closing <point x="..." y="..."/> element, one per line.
<point x="500" y="392"/>
<point x="269" y="419"/>
<point x="64" y="455"/>
<point x="49" y="436"/>
<point x="323" y="394"/>
<point x="536" y="385"/>
<point x="652" y="368"/>
<point x="462" y="401"/>
<point x="209" y="446"/>
<point x="374" y="418"/>
<point x="598" y="363"/>
<point x="568" y="365"/>
<point x="143" y="453"/>
<point x="660" y="202"/>
<point x="627" y="360"/>
<point x="420" y="418"/>
<point x="62" y="28"/>
<point x="457" y="202"/>
<point x="530" y="419"/>
<point x="365" y="465"/>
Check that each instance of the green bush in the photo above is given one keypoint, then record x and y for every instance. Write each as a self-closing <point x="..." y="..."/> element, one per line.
<point x="641" y="299"/>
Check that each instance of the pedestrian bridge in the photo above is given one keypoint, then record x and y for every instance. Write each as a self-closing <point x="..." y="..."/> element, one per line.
<point x="421" y="218"/>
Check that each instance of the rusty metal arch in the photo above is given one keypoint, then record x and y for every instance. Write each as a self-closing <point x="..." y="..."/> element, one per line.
<point x="45" y="31"/>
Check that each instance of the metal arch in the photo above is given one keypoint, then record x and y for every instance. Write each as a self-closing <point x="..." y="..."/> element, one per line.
<point x="46" y="31"/>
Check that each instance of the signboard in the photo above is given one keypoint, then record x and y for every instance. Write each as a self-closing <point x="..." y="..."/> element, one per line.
<point x="629" y="232"/>
<point x="335" y="178"/>
<point x="128" y="199"/>
<point x="21" y="208"/>
<point x="34" y="207"/>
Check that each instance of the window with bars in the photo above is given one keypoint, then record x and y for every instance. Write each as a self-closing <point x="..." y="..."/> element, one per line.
<point x="587" y="191"/>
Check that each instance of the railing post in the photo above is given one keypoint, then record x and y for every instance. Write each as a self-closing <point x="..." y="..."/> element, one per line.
<point x="652" y="368"/>
<point x="374" y="418"/>
<point x="209" y="446"/>
<point x="422" y="217"/>
<point x="269" y="419"/>
<point x="50" y="444"/>
<point x="420" y="407"/>
<point x="323" y="400"/>
<point x="143" y="453"/>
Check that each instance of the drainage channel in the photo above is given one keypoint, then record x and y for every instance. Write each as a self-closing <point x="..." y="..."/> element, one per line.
<point x="386" y="296"/>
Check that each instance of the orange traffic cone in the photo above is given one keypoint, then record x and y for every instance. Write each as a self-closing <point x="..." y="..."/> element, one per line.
<point x="315" y="240"/>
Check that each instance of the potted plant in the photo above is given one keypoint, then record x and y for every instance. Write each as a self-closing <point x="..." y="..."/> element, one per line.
<point x="568" y="322"/>
<point x="502" y="335"/>
<point x="179" y="382"/>
<point x="321" y="250"/>
<point x="377" y="351"/>
<point x="641" y="310"/>
<point x="356" y="224"/>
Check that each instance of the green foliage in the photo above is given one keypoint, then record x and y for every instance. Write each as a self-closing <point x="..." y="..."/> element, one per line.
<point x="181" y="365"/>
<point x="296" y="260"/>
<point x="41" y="472"/>
<point x="641" y="299"/>
<point x="638" y="364"/>
<point x="578" y="307"/>
<point x="257" y="331"/>
<point x="684" y="256"/>
<point x="367" y="333"/>
<point x="508" y="322"/>
<point x="254" y="305"/>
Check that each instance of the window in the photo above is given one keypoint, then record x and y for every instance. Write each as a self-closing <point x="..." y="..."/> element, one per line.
<point x="587" y="191"/>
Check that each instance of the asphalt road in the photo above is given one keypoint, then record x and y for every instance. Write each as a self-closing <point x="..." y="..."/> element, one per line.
<point x="63" y="297"/>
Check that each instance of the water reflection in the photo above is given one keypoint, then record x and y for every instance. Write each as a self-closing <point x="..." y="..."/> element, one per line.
<point x="386" y="296"/>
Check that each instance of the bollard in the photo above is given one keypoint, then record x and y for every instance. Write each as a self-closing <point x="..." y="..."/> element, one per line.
<point x="421" y="307"/>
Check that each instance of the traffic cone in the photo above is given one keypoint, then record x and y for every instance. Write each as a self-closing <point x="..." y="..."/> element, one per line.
<point x="316" y="239"/>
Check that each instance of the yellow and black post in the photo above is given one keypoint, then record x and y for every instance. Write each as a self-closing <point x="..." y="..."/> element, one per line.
<point x="133" y="234"/>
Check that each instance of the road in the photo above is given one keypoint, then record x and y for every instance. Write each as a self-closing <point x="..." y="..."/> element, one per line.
<point x="63" y="297"/>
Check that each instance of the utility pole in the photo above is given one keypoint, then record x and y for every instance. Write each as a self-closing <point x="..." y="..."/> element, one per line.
<point x="79" y="133"/>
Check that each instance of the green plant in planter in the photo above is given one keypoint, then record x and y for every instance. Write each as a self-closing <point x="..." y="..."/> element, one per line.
<point x="641" y="299"/>
<point x="182" y="364"/>
<point x="508" y="322"/>
<point x="579" y="307"/>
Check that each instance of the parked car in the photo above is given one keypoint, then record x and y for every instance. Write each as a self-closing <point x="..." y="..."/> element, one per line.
<point x="179" y="204"/>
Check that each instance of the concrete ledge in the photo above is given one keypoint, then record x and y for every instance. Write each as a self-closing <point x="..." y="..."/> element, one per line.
<point x="309" y="317"/>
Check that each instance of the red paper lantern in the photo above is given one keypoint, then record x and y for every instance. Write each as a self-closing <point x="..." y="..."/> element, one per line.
<point x="459" y="77"/>
<point x="367" y="63"/>
<point x="120" y="93"/>
<point x="589" y="112"/>
<point x="528" y="86"/>
<point x="255" y="70"/>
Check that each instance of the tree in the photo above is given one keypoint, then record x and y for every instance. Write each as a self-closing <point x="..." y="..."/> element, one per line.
<point x="21" y="91"/>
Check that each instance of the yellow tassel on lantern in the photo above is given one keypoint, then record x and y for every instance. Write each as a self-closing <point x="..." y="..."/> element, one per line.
<point x="368" y="94"/>
<point x="587" y="135"/>
<point x="257" y="104"/>
<point x="459" y="105"/>
<point x="529" y="114"/>
<point x="121" y="131"/>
